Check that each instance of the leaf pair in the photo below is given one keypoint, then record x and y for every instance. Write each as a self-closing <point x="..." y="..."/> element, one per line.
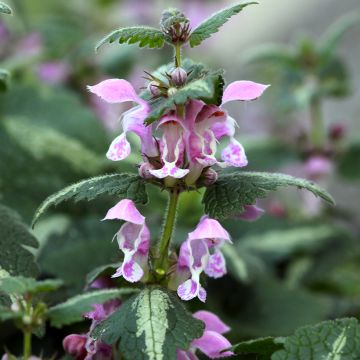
<point x="154" y="38"/>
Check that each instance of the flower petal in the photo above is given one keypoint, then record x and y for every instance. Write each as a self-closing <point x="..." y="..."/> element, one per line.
<point x="212" y="321"/>
<point x="127" y="211"/>
<point x="243" y="91"/>
<point x="75" y="345"/>
<point x="234" y="154"/>
<point x="119" y="149"/>
<point x="209" y="229"/>
<point x="132" y="271"/>
<point x="116" y="91"/>
<point x="191" y="289"/>
<point x="185" y="355"/>
<point x="251" y="213"/>
<point x="212" y="344"/>
<point x="169" y="169"/>
<point x="216" y="266"/>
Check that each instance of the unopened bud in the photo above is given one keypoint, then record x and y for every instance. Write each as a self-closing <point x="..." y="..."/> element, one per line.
<point x="144" y="170"/>
<point x="172" y="91"/>
<point x="75" y="345"/>
<point x="337" y="132"/>
<point x="153" y="88"/>
<point x="26" y="319"/>
<point x="179" y="76"/>
<point x="209" y="177"/>
<point x="15" y="307"/>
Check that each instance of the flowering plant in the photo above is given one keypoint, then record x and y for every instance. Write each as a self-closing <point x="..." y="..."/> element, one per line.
<point x="180" y="119"/>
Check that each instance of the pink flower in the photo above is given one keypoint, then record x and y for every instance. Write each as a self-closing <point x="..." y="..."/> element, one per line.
<point x="53" y="73"/>
<point x="201" y="252"/>
<point x="188" y="145"/>
<point x="118" y="91"/>
<point x="317" y="167"/>
<point x="251" y="213"/>
<point x="212" y="343"/>
<point x="133" y="239"/>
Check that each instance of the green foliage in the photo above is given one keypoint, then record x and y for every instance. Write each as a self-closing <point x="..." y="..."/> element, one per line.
<point x="101" y="270"/>
<point x="5" y="9"/>
<point x="347" y="161"/>
<point x="7" y="314"/>
<point x="19" y="285"/>
<point x="208" y="87"/>
<point x="213" y="23"/>
<point x="124" y="186"/>
<point x="262" y="346"/>
<point x="73" y="309"/>
<point x="14" y="235"/>
<point x="336" y="31"/>
<point x="4" y="80"/>
<point x="85" y="244"/>
<point x="144" y="35"/>
<point x="232" y="191"/>
<point x="150" y="325"/>
<point x="338" y="339"/>
<point x="171" y="17"/>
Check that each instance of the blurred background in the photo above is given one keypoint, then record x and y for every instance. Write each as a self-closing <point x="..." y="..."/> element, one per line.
<point x="298" y="264"/>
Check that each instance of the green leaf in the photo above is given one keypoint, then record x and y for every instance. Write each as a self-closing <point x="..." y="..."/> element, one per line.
<point x="4" y="80"/>
<point x="101" y="270"/>
<point x="144" y="35"/>
<point x="5" y="9"/>
<point x="124" y="186"/>
<point x="19" y="285"/>
<point x="264" y="346"/>
<point x="42" y="142"/>
<point x="347" y="161"/>
<point x="209" y="88"/>
<point x="14" y="235"/>
<point x="151" y="325"/>
<point x="232" y="191"/>
<point x="336" y="31"/>
<point x="213" y="23"/>
<point x="73" y="309"/>
<point x="330" y="340"/>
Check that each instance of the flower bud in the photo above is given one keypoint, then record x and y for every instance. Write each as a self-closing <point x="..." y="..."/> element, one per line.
<point x="337" y="132"/>
<point x="144" y="170"/>
<point x="75" y="345"/>
<point x="251" y="213"/>
<point x="179" y="76"/>
<point x="209" y="177"/>
<point x="153" y="88"/>
<point x="172" y="91"/>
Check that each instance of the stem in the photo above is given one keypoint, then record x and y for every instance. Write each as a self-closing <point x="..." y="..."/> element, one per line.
<point x="27" y="344"/>
<point x="178" y="55"/>
<point x="317" y="124"/>
<point x="164" y="243"/>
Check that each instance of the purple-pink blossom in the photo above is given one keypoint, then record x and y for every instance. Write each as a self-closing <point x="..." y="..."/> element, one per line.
<point x="201" y="252"/>
<point x="133" y="239"/>
<point x="188" y="143"/>
<point x="212" y="343"/>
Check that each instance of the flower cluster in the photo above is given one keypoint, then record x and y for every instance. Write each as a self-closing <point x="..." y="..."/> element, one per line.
<point x="188" y="141"/>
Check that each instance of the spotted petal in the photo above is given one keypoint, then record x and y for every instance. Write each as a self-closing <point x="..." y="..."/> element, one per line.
<point x="216" y="266"/>
<point x="119" y="149"/>
<point x="234" y="154"/>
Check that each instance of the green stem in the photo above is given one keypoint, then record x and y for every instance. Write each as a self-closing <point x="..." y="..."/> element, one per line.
<point x="178" y="55"/>
<point x="27" y="344"/>
<point x="164" y="243"/>
<point x="317" y="124"/>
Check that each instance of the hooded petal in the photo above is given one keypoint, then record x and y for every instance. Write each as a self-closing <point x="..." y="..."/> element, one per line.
<point x="212" y="321"/>
<point x="251" y="213"/>
<point x="209" y="229"/>
<point x="127" y="211"/>
<point x="216" y="266"/>
<point x="116" y="91"/>
<point x="212" y="344"/>
<point x="243" y="91"/>
<point x="119" y="149"/>
<point x="234" y="154"/>
<point x="75" y="345"/>
<point x="226" y="128"/>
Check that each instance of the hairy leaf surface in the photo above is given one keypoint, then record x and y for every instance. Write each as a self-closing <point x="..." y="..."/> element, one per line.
<point x="232" y="191"/>
<point x="150" y="326"/>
